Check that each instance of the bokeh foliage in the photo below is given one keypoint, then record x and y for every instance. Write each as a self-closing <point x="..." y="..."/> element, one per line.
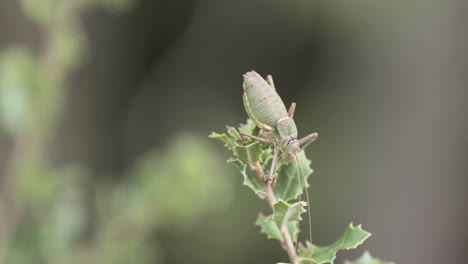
<point x="65" y="214"/>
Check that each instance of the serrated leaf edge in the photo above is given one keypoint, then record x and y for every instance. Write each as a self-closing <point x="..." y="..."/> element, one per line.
<point x="359" y="227"/>
<point x="262" y="230"/>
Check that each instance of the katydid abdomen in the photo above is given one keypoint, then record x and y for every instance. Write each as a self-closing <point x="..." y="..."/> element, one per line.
<point x="263" y="105"/>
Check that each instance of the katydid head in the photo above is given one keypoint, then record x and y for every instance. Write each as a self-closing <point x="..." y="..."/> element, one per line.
<point x="290" y="148"/>
<point x="286" y="133"/>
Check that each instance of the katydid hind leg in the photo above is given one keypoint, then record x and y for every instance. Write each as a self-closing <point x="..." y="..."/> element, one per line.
<point x="291" y="110"/>
<point x="273" y="164"/>
<point x="307" y="140"/>
<point x="264" y="140"/>
<point x="270" y="81"/>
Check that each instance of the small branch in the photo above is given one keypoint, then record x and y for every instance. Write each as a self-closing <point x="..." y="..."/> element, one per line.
<point x="289" y="245"/>
<point x="270" y="198"/>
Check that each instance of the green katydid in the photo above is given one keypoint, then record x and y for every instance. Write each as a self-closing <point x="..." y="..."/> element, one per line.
<point x="265" y="107"/>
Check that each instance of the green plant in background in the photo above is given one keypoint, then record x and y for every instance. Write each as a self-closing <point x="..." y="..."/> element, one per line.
<point x="170" y="189"/>
<point x="51" y="214"/>
<point x="256" y="146"/>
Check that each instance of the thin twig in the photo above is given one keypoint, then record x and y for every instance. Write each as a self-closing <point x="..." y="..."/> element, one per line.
<point x="270" y="198"/>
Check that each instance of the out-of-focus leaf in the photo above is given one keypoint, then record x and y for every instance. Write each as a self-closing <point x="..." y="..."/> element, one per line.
<point x="69" y="45"/>
<point x="176" y="186"/>
<point x="42" y="12"/>
<point x="25" y="246"/>
<point x="36" y="184"/>
<point x="250" y="181"/>
<point x="351" y="238"/>
<point x="123" y="243"/>
<point x="17" y="68"/>
<point x="64" y="226"/>
<point x="290" y="184"/>
<point x="284" y="212"/>
<point x="366" y="258"/>
<point x="29" y="95"/>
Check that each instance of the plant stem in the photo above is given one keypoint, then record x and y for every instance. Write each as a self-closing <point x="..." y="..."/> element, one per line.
<point x="270" y="198"/>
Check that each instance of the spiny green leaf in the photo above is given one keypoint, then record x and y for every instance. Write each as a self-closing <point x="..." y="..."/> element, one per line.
<point x="271" y="229"/>
<point x="292" y="178"/>
<point x="268" y="227"/>
<point x="284" y="212"/>
<point x="230" y="143"/>
<point x="250" y="153"/>
<point x="351" y="238"/>
<point x="250" y="181"/>
<point x="233" y="132"/>
<point x="366" y="258"/>
<point x="249" y="127"/>
<point x="293" y="229"/>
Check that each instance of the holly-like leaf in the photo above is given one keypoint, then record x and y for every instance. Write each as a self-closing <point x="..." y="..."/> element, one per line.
<point x="292" y="178"/>
<point x="250" y="181"/>
<point x="250" y="153"/>
<point x="351" y="238"/>
<point x="230" y="143"/>
<point x="233" y="132"/>
<point x="268" y="227"/>
<point x="293" y="229"/>
<point x="284" y="212"/>
<point x="249" y="127"/>
<point x="271" y="229"/>
<point x="366" y="258"/>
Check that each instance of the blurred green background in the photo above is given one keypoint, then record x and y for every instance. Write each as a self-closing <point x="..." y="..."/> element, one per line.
<point x="105" y="108"/>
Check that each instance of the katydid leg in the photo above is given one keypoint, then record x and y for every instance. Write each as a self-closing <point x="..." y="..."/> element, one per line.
<point x="264" y="140"/>
<point x="273" y="164"/>
<point x="307" y="140"/>
<point x="291" y="110"/>
<point x="270" y="81"/>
